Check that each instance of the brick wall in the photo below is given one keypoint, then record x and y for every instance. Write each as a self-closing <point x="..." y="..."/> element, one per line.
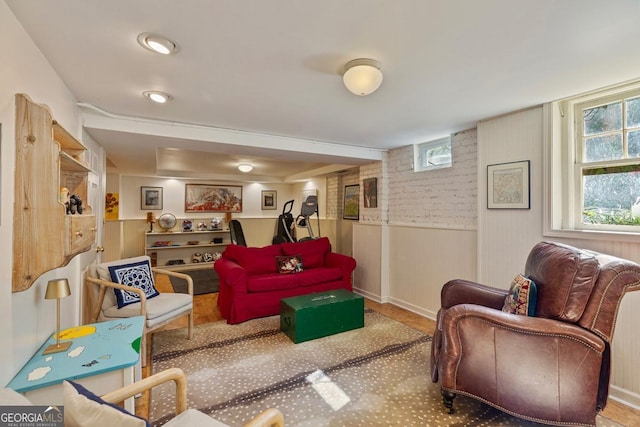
<point x="439" y="198"/>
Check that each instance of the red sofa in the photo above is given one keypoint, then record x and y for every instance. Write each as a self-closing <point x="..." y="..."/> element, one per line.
<point x="251" y="284"/>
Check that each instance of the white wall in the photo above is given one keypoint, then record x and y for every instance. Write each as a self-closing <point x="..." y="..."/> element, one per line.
<point x="505" y="237"/>
<point x="26" y="319"/>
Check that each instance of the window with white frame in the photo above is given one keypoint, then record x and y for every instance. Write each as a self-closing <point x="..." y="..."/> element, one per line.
<point x="600" y="138"/>
<point x="432" y="155"/>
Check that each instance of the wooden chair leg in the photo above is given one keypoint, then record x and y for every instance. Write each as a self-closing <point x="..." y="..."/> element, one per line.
<point x="190" y="326"/>
<point x="143" y="349"/>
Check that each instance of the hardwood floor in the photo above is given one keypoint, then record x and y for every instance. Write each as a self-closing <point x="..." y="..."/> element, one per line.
<point x="206" y="310"/>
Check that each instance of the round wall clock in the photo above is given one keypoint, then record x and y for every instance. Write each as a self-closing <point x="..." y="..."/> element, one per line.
<point x="167" y="221"/>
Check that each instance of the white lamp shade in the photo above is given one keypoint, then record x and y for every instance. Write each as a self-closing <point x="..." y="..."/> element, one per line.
<point x="362" y="76"/>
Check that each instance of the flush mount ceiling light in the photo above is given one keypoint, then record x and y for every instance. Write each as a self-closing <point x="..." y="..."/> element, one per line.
<point x="157" y="43"/>
<point x="157" y="96"/>
<point x="362" y="76"/>
<point x="245" y="167"/>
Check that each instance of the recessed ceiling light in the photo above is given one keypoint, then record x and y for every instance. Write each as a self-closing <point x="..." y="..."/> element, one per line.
<point x="157" y="96"/>
<point x="245" y="167"/>
<point x="157" y="43"/>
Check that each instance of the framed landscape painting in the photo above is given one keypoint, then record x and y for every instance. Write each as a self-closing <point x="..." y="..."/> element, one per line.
<point x="212" y="198"/>
<point x="351" y="202"/>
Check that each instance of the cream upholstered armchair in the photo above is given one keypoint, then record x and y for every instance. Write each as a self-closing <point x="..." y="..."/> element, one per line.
<point x="84" y="409"/>
<point x="126" y="288"/>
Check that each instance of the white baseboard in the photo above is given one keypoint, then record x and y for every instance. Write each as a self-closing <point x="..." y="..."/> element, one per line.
<point x="626" y="397"/>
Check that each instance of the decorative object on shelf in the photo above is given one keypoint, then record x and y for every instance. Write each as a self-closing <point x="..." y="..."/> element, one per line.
<point x="351" y="209"/>
<point x="151" y="198"/>
<point x="508" y="185"/>
<point x="162" y="243"/>
<point x="75" y="205"/>
<point x="187" y="225"/>
<point x="111" y="206"/>
<point x="370" y="192"/>
<point x="56" y="289"/>
<point x="196" y="258"/>
<point x="193" y="242"/>
<point x="217" y="256"/>
<point x="212" y="198"/>
<point x="216" y="224"/>
<point x="217" y="240"/>
<point x="202" y="226"/>
<point x="63" y="196"/>
<point x="269" y="200"/>
<point x="150" y="220"/>
<point x="207" y="257"/>
<point x="175" y="262"/>
<point x="167" y="221"/>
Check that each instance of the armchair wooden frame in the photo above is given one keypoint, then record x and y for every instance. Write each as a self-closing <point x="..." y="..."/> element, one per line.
<point x="269" y="418"/>
<point x="96" y="306"/>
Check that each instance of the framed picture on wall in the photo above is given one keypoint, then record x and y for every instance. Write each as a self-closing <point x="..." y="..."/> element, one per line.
<point x="269" y="200"/>
<point x="370" y="192"/>
<point x="508" y="185"/>
<point x="351" y="208"/>
<point x="151" y="198"/>
<point x="212" y="198"/>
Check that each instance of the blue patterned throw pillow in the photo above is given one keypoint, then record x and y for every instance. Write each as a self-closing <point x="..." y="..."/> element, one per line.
<point x="139" y="276"/>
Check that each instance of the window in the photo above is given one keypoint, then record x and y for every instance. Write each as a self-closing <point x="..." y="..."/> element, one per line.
<point x="432" y="155"/>
<point x="598" y="144"/>
<point x="608" y="158"/>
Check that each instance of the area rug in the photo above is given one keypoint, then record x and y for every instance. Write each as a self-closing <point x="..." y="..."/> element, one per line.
<point x="374" y="376"/>
<point x="204" y="282"/>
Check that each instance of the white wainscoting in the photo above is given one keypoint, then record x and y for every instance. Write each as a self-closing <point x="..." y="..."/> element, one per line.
<point x="420" y="261"/>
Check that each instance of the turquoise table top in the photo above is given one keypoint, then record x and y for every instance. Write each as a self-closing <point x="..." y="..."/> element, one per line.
<point x="97" y="348"/>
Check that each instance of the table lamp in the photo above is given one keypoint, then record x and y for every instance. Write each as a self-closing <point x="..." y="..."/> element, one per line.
<point x="56" y="289"/>
<point x="150" y="219"/>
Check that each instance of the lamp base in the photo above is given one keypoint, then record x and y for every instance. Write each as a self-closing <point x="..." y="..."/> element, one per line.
<point x="57" y="348"/>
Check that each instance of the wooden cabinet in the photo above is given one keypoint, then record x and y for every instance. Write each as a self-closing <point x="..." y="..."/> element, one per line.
<point x="47" y="158"/>
<point x="174" y="250"/>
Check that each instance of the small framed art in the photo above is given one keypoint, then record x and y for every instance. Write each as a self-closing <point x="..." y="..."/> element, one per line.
<point x="269" y="200"/>
<point x="351" y="209"/>
<point x="150" y="198"/>
<point x="370" y="192"/>
<point x="508" y="185"/>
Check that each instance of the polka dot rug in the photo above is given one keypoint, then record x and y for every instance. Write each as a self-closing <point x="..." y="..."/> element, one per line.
<point x="374" y="376"/>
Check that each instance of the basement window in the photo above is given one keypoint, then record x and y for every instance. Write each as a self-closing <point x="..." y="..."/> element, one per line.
<point x="432" y="155"/>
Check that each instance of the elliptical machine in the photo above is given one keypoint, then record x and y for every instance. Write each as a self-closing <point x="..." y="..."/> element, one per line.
<point x="286" y="226"/>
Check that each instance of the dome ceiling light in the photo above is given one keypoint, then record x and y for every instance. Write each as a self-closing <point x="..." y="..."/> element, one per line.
<point x="157" y="96"/>
<point x="157" y="43"/>
<point x="362" y="76"/>
<point x="245" y="167"/>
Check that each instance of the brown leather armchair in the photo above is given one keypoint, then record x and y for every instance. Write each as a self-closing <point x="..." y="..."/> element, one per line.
<point x="552" y="368"/>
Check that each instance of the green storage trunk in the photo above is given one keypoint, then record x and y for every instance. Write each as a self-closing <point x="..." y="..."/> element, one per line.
<point x="312" y="316"/>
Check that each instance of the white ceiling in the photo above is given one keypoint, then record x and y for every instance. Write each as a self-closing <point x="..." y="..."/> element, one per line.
<point x="251" y="77"/>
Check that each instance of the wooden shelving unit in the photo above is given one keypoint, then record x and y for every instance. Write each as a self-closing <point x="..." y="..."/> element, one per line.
<point x="47" y="158"/>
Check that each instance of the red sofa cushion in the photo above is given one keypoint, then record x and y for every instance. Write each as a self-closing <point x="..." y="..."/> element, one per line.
<point x="272" y="282"/>
<point x="312" y="251"/>
<point x="254" y="260"/>
<point x="319" y="275"/>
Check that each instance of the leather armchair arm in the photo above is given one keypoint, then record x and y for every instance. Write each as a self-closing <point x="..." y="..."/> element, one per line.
<point x="461" y="291"/>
